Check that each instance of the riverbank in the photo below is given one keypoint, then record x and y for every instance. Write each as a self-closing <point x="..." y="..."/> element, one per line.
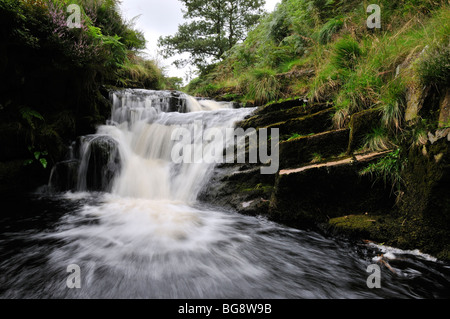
<point x="327" y="181"/>
<point x="363" y="115"/>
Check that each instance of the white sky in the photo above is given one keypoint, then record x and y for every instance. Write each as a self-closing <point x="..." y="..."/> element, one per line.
<point x="161" y="18"/>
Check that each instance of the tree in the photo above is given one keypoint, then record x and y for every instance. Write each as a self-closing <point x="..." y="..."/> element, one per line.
<point x="214" y="27"/>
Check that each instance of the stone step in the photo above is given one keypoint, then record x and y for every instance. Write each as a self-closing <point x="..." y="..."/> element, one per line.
<point x="362" y="158"/>
<point x="240" y="188"/>
<point x="314" y="123"/>
<point x="263" y="118"/>
<point x="280" y="106"/>
<point x="302" y="150"/>
<point x="316" y="193"/>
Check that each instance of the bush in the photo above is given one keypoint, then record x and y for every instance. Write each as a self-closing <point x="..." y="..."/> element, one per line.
<point x="389" y="169"/>
<point x="378" y="140"/>
<point x="262" y="86"/>
<point x="393" y="104"/>
<point x="329" y="29"/>
<point x="434" y="68"/>
<point x="346" y="53"/>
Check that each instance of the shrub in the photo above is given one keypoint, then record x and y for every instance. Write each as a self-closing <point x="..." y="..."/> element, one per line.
<point x="346" y="53"/>
<point x="329" y="29"/>
<point x="389" y="169"/>
<point x="434" y="68"/>
<point x="378" y="140"/>
<point x="393" y="104"/>
<point x="262" y="86"/>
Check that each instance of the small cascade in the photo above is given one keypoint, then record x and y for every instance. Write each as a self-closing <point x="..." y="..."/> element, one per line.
<point x="132" y="154"/>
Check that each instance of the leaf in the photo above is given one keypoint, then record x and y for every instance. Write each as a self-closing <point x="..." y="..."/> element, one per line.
<point x="37" y="155"/>
<point x="43" y="162"/>
<point x="28" y="162"/>
<point x="29" y="114"/>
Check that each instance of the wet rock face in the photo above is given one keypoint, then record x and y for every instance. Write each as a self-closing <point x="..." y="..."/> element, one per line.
<point x="93" y="166"/>
<point x="241" y="188"/>
<point x="306" y="196"/>
<point x="444" y="111"/>
<point x="426" y="181"/>
<point x="64" y="176"/>
<point x="103" y="164"/>
<point x="315" y="193"/>
<point x="299" y="151"/>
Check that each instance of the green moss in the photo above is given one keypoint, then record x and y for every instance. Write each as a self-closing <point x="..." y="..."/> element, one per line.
<point x="302" y="150"/>
<point x="258" y="189"/>
<point x="305" y="125"/>
<point x="355" y="224"/>
<point x="383" y="229"/>
<point x="361" y="125"/>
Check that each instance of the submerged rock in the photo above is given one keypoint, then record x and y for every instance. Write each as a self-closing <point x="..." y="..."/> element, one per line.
<point x="64" y="176"/>
<point x="100" y="163"/>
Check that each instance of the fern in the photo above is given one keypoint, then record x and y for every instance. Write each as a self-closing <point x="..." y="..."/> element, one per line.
<point x="29" y="115"/>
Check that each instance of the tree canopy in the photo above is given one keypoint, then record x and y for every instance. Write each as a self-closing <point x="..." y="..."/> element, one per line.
<point x="213" y="27"/>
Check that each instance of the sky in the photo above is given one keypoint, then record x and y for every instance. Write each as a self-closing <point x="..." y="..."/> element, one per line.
<point x="157" y="18"/>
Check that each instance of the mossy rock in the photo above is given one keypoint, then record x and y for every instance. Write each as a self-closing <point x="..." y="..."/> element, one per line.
<point x="282" y="105"/>
<point x="262" y="118"/>
<point x="317" y="193"/>
<point x="379" y="228"/>
<point x="15" y="176"/>
<point x="64" y="124"/>
<point x="362" y="124"/>
<point x="427" y="180"/>
<point x="296" y="152"/>
<point x="241" y="187"/>
<point x="314" y="123"/>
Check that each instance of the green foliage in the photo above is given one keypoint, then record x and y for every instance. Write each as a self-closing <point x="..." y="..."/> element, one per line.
<point x="38" y="156"/>
<point x="137" y="72"/>
<point x="417" y="135"/>
<point x="329" y="29"/>
<point x="434" y="68"/>
<point x="317" y="158"/>
<point x="378" y="140"/>
<point x="213" y="27"/>
<point x="278" y="25"/>
<point x="42" y="56"/>
<point x="360" y="90"/>
<point x="393" y="105"/>
<point x="30" y="116"/>
<point x="294" y="136"/>
<point x="346" y="53"/>
<point x="324" y="51"/>
<point x="262" y="86"/>
<point x="207" y="90"/>
<point x="389" y="169"/>
<point x="174" y="83"/>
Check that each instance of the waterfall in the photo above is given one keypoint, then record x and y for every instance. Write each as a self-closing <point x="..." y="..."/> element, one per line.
<point x="125" y="214"/>
<point x="131" y="155"/>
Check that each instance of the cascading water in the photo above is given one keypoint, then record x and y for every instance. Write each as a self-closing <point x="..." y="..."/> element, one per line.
<point x="132" y="155"/>
<point x="128" y="217"/>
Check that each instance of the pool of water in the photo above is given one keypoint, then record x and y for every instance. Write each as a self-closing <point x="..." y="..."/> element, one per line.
<point x="140" y="248"/>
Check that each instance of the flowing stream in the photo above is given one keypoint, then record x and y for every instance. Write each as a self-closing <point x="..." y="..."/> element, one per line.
<point x="127" y="215"/>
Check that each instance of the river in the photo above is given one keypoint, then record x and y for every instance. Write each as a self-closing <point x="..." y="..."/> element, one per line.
<point x="136" y="230"/>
